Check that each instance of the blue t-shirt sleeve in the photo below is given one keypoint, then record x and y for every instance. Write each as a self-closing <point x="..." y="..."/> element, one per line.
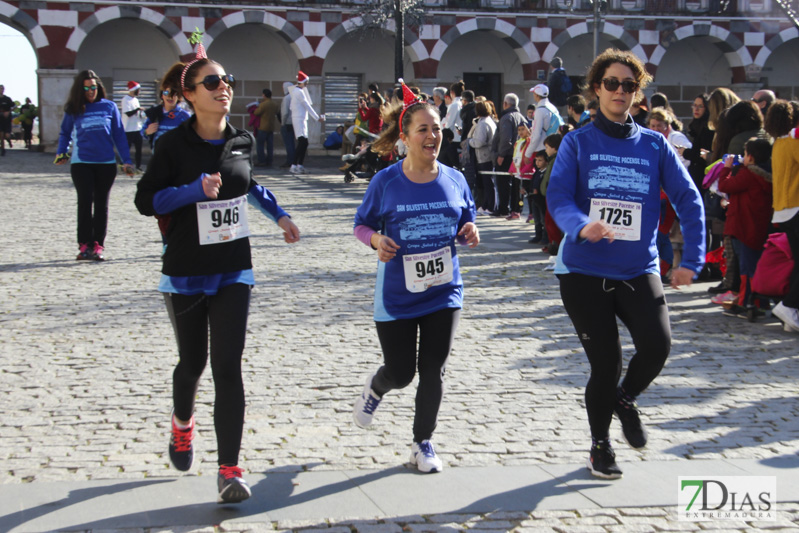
<point x="368" y="213"/>
<point x="172" y="198"/>
<point x="65" y="135"/>
<point x="562" y="186"/>
<point x="262" y="198"/>
<point x="118" y="133"/>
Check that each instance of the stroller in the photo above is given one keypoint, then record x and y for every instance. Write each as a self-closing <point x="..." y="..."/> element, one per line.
<point x="363" y="165"/>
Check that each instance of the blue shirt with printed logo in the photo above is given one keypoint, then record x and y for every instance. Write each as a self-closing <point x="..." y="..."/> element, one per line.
<point x="94" y="133"/>
<point x="424" y="220"/>
<point x="614" y="171"/>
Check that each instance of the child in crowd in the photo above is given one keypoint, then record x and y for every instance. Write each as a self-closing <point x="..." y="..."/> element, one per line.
<point x="551" y="145"/>
<point x="449" y="150"/>
<point x="748" y="214"/>
<point x="539" y="204"/>
<point x="665" y="250"/>
<point x="521" y="169"/>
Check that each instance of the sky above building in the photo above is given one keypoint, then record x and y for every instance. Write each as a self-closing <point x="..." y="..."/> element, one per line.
<point x="17" y="65"/>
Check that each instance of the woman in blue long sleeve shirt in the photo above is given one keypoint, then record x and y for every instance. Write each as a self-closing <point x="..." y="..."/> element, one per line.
<point x="94" y="127"/>
<point x="604" y="194"/>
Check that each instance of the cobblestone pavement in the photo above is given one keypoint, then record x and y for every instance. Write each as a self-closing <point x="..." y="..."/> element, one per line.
<point x="87" y="355"/>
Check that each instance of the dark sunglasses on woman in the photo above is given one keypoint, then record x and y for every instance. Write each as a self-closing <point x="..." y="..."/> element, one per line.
<point x="611" y="84"/>
<point x="212" y="81"/>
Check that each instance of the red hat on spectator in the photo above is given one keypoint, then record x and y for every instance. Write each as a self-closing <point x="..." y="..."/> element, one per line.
<point x="132" y="85"/>
<point x="302" y="77"/>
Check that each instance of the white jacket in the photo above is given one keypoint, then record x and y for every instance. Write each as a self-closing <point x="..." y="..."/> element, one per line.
<point x="544" y="113"/>
<point x="301" y="107"/>
<point x="453" y="118"/>
<point x="133" y="122"/>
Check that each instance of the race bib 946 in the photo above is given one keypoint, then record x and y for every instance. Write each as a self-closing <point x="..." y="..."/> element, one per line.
<point x="623" y="217"/>
<point x="222" y="220"/>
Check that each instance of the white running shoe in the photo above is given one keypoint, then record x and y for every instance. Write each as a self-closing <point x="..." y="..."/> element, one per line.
<point x="423" y="455"/>
<point x="366" y="404"/>
<point x="293" y="169"/>
<point x="301" y="170"/>
<point x="788" y="315"/>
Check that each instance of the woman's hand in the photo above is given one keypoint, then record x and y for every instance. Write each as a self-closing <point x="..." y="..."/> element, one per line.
<point x="681" y="276"/>
<point x="128" y="169"/>
<point x="212" y="184"/>
<point x="152" y="128"/>
<point x="291" y="233"/>
<point x="385" y="246"/>
<point x="596" y="231"/>
<point x="470" y="234"/>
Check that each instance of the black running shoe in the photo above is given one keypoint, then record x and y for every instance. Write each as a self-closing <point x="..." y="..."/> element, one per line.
<point x="181" y="452"/>
<point x="232" y="487"/>
<point x="602" y="462"/>
<point x="631" y="425"/>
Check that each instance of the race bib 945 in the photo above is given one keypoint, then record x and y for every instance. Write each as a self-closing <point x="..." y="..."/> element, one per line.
<point x="426" y="270"/>
<point x="222" y="220"/>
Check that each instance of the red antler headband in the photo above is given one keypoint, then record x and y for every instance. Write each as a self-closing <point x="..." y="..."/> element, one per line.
<point x="408" y="99"/>
<point x="196" y="38"/>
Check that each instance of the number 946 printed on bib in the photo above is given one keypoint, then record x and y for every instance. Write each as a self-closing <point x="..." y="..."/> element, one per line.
<point x="222" y="220"/>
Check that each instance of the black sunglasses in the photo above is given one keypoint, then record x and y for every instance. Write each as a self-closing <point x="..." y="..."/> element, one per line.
<point x="169" y="92"/>
<point x="87" y="88"/>
<point x="212" y="81"/>
<point x="611" y="84"/>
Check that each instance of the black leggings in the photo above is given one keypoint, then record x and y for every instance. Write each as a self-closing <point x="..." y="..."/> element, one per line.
<point x="134" y="141"/>
<point x="489" y="202"/>
<point x="593" y="304"/>
<point x="398" y="340"/>
<point x="93" y="184"/>
<point x="299" y="151"/>
<point x="226" y="315"/>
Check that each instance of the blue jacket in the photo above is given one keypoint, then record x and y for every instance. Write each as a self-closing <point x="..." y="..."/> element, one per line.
<point x="629" y="167"/>
<point x="94" y="134"/>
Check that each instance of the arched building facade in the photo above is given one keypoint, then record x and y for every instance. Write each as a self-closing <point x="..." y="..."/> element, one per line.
<point x="494" y="51"/>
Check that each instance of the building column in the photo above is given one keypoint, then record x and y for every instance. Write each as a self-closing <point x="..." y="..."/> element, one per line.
<point x="54" y="85"/>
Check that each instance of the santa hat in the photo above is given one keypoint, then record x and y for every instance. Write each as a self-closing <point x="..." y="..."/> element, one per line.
<point x="302" y="77"/>
<point x="408" y="99"/>
<point x="199" y="54"/>
<point x="132" y="86"/>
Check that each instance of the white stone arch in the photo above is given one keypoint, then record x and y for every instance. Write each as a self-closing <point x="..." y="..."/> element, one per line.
<point x="614" y="31"/>
<point x="24" y="23"/>
<point x="782" y="37"/>
<point x="413" y="45"/>
<point x="520" y="43"/>
<point x="733" y="48"/>
<point x="163" y="24"/>
<point x="298" y="42"/>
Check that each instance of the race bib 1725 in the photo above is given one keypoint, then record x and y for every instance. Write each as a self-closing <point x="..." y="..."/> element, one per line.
<point x="623" y="217"/>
